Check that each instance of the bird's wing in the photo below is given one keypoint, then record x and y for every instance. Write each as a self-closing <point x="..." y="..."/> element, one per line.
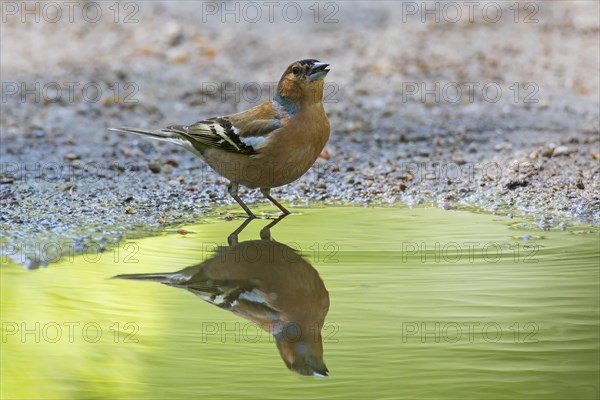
<point x="238" y="133"/>
<point x="242" y="296"/>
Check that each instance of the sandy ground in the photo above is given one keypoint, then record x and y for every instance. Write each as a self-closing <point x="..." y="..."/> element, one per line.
<point x="491" y="107"/>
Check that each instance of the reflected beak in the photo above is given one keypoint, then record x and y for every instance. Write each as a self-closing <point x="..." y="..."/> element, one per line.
<point x="318" y="71"/>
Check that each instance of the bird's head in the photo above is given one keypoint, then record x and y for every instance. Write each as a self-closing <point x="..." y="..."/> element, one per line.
<point x="302" y="352"/>
<point x="303" y="81"/>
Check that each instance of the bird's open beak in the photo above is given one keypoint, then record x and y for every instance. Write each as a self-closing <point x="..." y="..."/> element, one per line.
<point x="318" y="71"/>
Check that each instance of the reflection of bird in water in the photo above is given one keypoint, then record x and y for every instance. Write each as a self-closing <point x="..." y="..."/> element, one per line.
<point x="269" y="284"/>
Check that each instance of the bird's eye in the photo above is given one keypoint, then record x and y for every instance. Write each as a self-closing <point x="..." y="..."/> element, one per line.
<point x="295" y="70"/>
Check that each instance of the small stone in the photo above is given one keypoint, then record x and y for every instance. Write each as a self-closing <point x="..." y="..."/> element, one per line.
<point x="210" y="52"/>
<point x="542" y="105"/>
<point x="561" y="151"/>
<point x="583" y="90"/>
<point x="515" y="183"/>
<point x="173" y="33"/>
<point x="147" y="51"/>
<point x="154" y="166"/>
<point x="182" y="231"/>
<point x="130" y="210"/>
<point x="596" y="156"/>
<point x="325" y="154"/>
<point x="358" y="125"/>
<point x="71" y="157"/>
<point x="526" y="165"/>
<point x="403" y="187"/>
<point x="547" y="151"/>
<point x="167" y="169"/>
<point x="514" y="164"/>
<point x="579" y="184"/>
<point x="177" y="56"/>
<point x="533" y="155"/>
<point x="39" y="133"/>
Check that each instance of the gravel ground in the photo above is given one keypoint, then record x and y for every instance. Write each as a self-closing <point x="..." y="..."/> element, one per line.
<point x="397" y="138"/>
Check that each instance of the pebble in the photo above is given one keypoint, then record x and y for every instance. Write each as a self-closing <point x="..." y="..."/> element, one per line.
<point x="542" y="105"/>
<point x="561" y="151"/>
<point x="515" y="183"/>
<point x="71" y="157"/>
<point x="173" y="33"/>
<point x="39" y="133"/>
<point x="154" y="166"/>
<point x="177" y="56"/>
<point x="325" y="154"/>
<point x="547" y="152"/>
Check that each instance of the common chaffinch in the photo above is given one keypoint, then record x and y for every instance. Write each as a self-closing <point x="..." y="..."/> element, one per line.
<point x="268" y="283"/>
<point x="266" y="146"/>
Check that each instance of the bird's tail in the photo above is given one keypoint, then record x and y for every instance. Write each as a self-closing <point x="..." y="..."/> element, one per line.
<point x="176" y="136"/>
<point x="172" y="278"/>
<point x="167" y="136"/>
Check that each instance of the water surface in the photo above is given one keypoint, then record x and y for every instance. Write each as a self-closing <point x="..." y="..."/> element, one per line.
<point x="423" y="303"/>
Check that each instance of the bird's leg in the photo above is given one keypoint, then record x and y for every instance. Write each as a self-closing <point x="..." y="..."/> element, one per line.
<point x="232" y="188"/>
<point x="232" y="240"/>
<point x="265" y="233"/>
<point x="267" y="193"/>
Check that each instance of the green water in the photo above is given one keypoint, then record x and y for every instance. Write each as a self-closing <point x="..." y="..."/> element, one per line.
<point x="423" y="303"/>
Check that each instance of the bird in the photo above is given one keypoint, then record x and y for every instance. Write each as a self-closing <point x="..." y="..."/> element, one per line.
<point x="267" y="146"/>
<point x="268" y="283"/>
